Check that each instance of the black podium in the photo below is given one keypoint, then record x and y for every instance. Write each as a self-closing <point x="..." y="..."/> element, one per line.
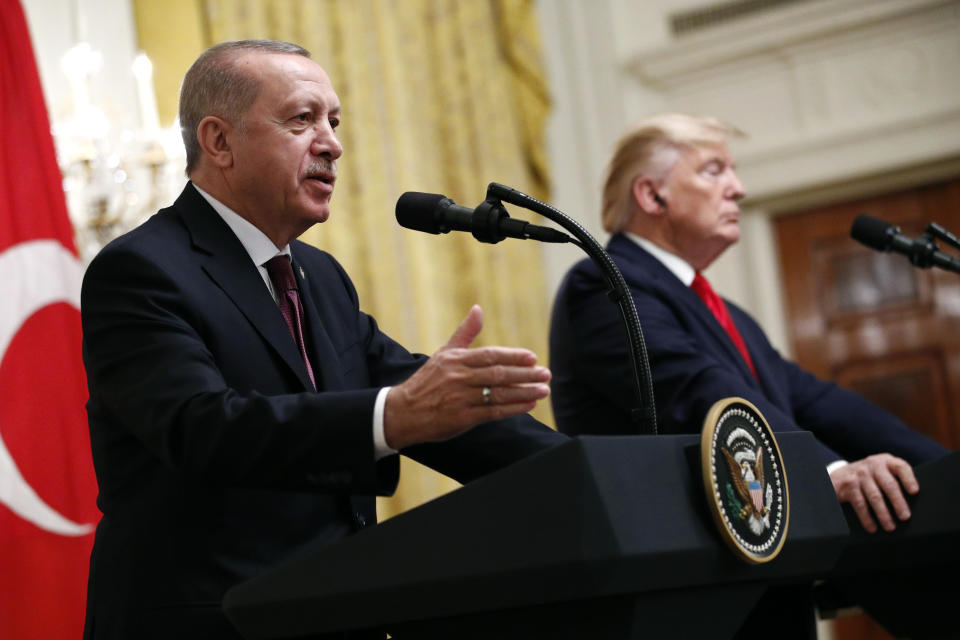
<point x="602" y="537"/>
<point x="906" y="579"/>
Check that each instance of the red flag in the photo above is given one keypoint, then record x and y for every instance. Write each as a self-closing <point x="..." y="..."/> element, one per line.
<point x="47" y="485"/>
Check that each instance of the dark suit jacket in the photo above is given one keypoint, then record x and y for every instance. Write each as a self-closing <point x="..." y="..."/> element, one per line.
<point x="214" y="457"/>
<point x="694" y="364"/>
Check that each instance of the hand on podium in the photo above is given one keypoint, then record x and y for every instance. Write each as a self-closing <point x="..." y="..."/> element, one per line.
<point x="864" y="484"/>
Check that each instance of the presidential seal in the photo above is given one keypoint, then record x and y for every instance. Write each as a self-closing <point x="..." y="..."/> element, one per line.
<point x="744" y="479"/>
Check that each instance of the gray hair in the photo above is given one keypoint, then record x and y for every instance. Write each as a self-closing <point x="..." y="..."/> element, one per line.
<point x="214" y="86"/>
<point x="651" y="148"/>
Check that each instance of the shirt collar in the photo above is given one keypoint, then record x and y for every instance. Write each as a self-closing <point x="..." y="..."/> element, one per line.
<point x="259" y="247"/>
<point x="677" y="265"/>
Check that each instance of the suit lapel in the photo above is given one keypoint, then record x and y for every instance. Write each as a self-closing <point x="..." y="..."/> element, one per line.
<point x="755" y="348"/>
<point x="695" y="305"/>
<point x="642" y="268"/>
<point x="326" y="364"/>
<point x="227" y="263"/>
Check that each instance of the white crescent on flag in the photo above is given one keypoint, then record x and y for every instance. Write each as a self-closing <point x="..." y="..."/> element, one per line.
<point x="33" y="275"/>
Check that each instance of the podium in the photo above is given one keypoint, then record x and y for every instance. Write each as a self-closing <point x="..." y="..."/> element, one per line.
<point x="601" y="537"/>
<point x="906" y="579"/>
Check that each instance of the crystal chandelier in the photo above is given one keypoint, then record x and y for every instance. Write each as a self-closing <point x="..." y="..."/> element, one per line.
<point x="113" y="177"/>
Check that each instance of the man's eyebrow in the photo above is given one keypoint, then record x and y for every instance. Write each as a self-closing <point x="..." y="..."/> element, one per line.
<point x="714" y="160"/>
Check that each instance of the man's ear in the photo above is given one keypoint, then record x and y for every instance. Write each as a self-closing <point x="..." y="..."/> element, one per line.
<point x="213" y="133"/>
<point x="647" y="197"/>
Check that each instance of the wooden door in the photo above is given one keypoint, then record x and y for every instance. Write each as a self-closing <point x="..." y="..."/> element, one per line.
<point x="873" y="322"/>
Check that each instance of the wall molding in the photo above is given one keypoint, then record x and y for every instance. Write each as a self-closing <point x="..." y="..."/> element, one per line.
<point x="767" y="32"/>
<point x="828" y="91"/>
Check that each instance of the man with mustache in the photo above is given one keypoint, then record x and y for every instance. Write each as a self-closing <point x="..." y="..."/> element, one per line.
<point x="670" y="201"/>
<point x="242" y="408"/>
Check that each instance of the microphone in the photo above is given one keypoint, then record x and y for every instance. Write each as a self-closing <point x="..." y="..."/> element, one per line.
<point x="434" y="213"/>
<point x="883" y="236"/>
<point x="488" y="222"/>
<point x="879" y="235"/>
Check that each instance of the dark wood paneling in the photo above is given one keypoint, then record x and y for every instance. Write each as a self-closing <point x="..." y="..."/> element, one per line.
<point x="910" y="386"/>
<point x="872" y="321"/>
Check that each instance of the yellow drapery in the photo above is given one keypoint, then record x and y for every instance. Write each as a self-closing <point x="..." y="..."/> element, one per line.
<point x="440" y="96"/>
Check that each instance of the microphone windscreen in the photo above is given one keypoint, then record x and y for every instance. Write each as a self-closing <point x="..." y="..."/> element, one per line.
<point x="416" y="211"/>
<point x="873" y="232"/>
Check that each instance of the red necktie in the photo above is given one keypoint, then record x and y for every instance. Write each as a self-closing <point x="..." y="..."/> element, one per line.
<point x="281" y="273"/>
<point x="716" y="305"/>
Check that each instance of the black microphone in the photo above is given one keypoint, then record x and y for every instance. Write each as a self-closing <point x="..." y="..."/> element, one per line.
<point x="880" y="235"/>
<point x="883" y="236"/>
<point x="488" y="222"/>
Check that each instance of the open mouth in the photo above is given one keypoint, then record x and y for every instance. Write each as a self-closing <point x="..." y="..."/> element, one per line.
<point x="322" y="172"/>
<point x="324" y="182"/>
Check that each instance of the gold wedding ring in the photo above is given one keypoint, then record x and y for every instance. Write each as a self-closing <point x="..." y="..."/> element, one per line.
<point x="487" y="395"/>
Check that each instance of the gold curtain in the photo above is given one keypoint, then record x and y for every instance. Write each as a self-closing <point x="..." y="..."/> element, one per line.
<point x="441" y="96"/>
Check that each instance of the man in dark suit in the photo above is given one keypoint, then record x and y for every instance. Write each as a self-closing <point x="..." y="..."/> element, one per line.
<point x="670" y="201"/>
<point x="242" y="408"/>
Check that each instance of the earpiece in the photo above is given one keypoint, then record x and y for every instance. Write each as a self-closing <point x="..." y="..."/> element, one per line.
<point x="660" y="201"/>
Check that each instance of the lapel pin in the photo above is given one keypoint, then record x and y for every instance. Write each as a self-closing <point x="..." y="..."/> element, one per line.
<point x="303" y="276"/>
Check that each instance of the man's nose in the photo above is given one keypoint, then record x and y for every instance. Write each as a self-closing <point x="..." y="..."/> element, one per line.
<point x="325" y="142"/>
<point x="735" y="189"/>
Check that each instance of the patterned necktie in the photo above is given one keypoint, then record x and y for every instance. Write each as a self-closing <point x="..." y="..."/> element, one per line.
<point x="719" y="309"/>
<point x="281" y="274"/>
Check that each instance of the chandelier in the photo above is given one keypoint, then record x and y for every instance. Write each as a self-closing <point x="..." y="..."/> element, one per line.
<point x="114" y="178"/>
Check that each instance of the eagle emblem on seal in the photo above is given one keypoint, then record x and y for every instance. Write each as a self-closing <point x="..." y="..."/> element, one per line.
<point x="748" y="482"/>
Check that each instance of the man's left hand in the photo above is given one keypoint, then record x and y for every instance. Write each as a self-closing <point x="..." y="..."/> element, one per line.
<point x="461" y="386"/>
<point x="864" y="484"/>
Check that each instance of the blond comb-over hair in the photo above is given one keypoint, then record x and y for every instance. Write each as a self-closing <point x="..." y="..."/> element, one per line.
<point x="651" y="148"/>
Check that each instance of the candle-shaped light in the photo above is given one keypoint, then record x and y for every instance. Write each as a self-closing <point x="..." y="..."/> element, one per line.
<point x="143" y="72"/>
<point x="78" y="64"/>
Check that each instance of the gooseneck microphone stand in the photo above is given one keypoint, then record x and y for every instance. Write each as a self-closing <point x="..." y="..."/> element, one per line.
<point x="644" y="414"/>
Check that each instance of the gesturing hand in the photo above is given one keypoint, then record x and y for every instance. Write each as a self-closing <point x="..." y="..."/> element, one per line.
<point x="865" y="482"/>
<point x="447" y="396"/>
